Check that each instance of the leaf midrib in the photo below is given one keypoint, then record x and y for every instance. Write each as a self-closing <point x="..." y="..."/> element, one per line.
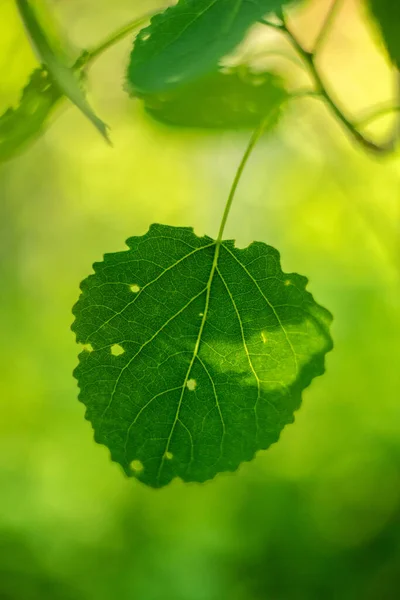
<point x="194" y="355"/>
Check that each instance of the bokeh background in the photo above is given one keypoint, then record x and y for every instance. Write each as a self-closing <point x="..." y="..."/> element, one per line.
<point x="318" y="515"/>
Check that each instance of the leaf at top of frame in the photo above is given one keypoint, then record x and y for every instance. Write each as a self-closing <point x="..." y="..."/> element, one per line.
<point x="188" y="40"/>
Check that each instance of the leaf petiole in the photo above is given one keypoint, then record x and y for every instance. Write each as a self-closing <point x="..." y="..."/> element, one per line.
<point x="91" y="55"/>
<point x="252" y="144"/>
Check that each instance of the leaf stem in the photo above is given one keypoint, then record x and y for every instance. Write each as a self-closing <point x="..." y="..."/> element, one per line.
<point x="117" y="36"/>
<point x="251" y="145"/>
<point x="89" y="56"/>
<point x="248" y="152"/>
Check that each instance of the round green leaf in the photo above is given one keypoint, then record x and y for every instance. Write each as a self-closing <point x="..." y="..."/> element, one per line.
<point x="194" y="360"/>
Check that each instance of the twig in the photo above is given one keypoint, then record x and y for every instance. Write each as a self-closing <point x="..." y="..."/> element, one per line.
<point x="309" y="59"/>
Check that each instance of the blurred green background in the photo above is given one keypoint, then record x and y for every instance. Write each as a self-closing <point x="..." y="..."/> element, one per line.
<point x="318" y="515"/>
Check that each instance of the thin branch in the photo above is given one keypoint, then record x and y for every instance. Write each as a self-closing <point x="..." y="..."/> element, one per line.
<point x="320" y="87"/>
<point x="271" y="24"/>
<point x="375" y="114"/>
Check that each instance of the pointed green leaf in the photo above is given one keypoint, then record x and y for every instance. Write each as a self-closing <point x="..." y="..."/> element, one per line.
<point x="387" y="15"/>
<point x="64" y="76"/>
<point x="22" y="125"/>
<point x="237" y="99"/>
<point x="189" y="39"/>
<point x="193" y="361"/>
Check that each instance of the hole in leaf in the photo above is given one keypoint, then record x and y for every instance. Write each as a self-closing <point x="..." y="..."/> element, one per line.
<point x="136" y="466"/>
<point x="134" y="288"/>
<point x="145" y="36"/>
<point x="264" y="337"/>
<point x="287" y="282"/>
<point x="117" y="350"/>
<point x="201" y="314"/>
<point x="191" y="384"/>
<point x="87" y="348"/>
<point x="169" y="455"/>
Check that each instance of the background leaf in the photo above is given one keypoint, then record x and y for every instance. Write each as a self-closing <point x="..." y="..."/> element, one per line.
<point x="62" y="74"/>
<point x="22" y="125"/>
<point x="187" y="40"/>
<point x="236" y="99"/>
<point x="387" y="15"/>
<point x="186" y="375"/>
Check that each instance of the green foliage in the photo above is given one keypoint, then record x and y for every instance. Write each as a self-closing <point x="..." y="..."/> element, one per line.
<point x="189" y="39"/>
<point x="64" y="76"/>
<point x="22" y="125"/>
<point x="196" y="353"/>
<point x="387" y="15"/>
<point x="234" y="99"/>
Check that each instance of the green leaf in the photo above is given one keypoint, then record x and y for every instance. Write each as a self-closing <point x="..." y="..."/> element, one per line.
<point x="22" y="125"/>
<point x="64" y="76"/>
<point x="387" y="15"/>
<point x="193" y="361"/>
<point x="188" y="40"/>
<point x="236" y="99"/>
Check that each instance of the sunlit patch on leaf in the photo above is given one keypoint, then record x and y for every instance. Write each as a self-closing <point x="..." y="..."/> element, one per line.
<point x="207" y="391"/>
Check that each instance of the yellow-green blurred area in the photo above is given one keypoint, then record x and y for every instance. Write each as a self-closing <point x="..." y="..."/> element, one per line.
<point x="318" y="515"/>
